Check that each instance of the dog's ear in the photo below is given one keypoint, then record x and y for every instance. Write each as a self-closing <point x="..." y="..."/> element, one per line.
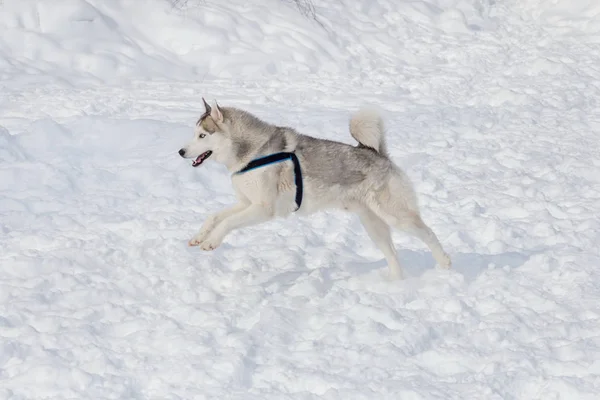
<point x="216" y="114"/>
<point x="207" y="108"/>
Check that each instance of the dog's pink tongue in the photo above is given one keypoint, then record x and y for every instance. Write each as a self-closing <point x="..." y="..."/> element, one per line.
<point x="198" y="160"/>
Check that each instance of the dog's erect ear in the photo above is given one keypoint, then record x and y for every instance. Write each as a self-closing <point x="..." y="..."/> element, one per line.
<point x="216" y="113"/>
<point x="207" y="108"/>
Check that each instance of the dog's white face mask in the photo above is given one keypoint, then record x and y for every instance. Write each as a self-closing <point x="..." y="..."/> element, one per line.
<point x="207" y="138"/>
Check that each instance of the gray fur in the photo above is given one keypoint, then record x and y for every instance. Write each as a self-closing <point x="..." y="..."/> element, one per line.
<point x="361" y="179"/>
<point x="243" y="148"/>
<point x="209" y="125"/>
<point x="335" y="163"/>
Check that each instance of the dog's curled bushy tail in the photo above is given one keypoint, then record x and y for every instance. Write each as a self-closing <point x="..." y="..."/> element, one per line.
<point x="367" y="128"/>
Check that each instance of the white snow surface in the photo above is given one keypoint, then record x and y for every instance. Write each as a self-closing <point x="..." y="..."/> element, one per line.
<point x="492" y="108"/>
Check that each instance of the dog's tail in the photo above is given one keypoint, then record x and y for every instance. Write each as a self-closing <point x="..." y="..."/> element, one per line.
<point x="366" y="126"/>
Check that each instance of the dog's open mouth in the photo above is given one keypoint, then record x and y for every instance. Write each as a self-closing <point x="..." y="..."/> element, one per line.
<point x="201" y="158"/>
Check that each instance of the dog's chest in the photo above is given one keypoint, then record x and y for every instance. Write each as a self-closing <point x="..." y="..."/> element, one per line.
<point x="270" y="181"/>
<point x="250" y="183"/>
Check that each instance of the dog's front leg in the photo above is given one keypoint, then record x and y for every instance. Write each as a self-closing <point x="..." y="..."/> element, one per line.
<point x="216" y="219"/>
<point x="251" y="215"/>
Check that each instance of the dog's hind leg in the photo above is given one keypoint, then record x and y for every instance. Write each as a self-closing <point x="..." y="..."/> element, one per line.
<point x="414" y="225"/>
<point x="410" y="222"/>
<point x="379" y="232"/>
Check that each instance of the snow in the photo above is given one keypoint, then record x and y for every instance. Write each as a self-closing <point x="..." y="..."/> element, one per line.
<point x="492" y="109"/>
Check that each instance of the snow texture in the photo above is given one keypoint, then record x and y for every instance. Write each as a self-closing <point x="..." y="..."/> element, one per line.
<point x="492" y="108"/>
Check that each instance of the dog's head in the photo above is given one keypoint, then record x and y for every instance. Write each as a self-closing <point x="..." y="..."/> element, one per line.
<point x="210" y="136"/>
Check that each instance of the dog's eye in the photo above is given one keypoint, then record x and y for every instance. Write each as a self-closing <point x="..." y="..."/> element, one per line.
<point x="202" y="135"/>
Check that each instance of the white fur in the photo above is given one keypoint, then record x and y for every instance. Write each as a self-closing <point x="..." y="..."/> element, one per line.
<point x="367" y="127"/>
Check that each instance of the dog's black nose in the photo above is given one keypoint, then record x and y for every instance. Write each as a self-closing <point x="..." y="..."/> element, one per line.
<point x="181" y="152"/>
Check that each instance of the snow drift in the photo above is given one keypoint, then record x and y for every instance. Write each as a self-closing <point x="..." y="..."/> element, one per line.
<point x="111" y="40"/>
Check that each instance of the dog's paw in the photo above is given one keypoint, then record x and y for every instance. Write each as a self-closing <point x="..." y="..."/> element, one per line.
<point x="195" y="241"/>
<point x="395" y="275"/>
<point x="199" y="238"/>
<point x="210" y="243"/>
<point x="445" y="262"/>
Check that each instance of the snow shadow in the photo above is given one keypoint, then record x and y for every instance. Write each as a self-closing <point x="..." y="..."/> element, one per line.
<point x="470" y="265"/>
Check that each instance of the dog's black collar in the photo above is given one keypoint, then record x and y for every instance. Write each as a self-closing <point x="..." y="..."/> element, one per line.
<point x="275" y="158"/>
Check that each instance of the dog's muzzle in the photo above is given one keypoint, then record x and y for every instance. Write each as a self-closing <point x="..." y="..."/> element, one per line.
<point x="200" y="159"/>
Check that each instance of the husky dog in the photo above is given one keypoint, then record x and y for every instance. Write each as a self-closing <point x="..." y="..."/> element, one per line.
<point x="361" y="179"/>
